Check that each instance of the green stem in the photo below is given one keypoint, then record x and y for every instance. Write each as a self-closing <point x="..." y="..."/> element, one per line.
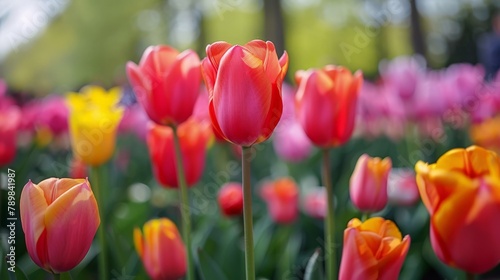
<point x="365" y="216"/>
<point x="247" y="213"/>
<point x="331" y="265"/>
<point x="184" y="207"/>
<point x="103" y="257"/>
<point x="470" y="276"/>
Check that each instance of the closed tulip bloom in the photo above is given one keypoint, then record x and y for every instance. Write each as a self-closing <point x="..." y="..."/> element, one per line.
<point x="230" y="199"/>
<point x="326" y="103"/>
<point x="487" y="133"/>
<point x="244" y="86"/>
<point x="59" y="219"/>
<point x="166" y="83"/>
<point x="282" y="198"/>
<point x="93" y="122"/>
<point x="368" y="184"/>
<point x="315" y="203"/>
<point x="373" y="250"/>
<point x="161" y="249"/>
<point x="461" y="191"/>
<point x="402" y="187"/>
<point x="194" y="138"/>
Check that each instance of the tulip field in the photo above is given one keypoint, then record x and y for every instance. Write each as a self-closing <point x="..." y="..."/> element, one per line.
<point x="328" y="177"/>
<point x="235" y="161"/>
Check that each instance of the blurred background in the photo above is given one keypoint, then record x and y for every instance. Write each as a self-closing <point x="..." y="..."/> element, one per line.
<point x="60" y="45"/>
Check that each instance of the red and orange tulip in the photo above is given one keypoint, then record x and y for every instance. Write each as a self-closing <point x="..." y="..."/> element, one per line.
<point x="373" y="249"/>
<point x="282" y="198"/>
<point x="462" y="194"/>
<point x="244" y="87"/>
<point x="161" y="249"/>
<point x="59" y="219"/>
<point x="194" y="137"/>
<point x="326" y="104"/>
<point x="230" y="199"/>
<point x="368" y="185"/>
<point x="166" y="83"/>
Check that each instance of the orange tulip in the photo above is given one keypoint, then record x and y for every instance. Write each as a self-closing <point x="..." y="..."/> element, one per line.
<point x="59" y="219"/>
<point x="462" y="194"/>
<point x="161" y="249"/>
<point x="230" y="199"/>
<point x="487" y="133"/>
<point x="244" y="86"/>
<point x="373" y="250"/>
<point x="282" y="198"/>
<point x="166" y="83"/>
<point x="194" y="138"/>
<point x="326" y="103"/>
<point x="368" y="185"/>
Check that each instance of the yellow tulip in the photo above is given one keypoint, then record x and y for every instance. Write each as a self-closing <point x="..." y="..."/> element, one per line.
<point x="93" y="122"/>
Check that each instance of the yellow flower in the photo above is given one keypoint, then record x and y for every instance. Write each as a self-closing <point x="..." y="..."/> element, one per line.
<point x="93" y="121"/>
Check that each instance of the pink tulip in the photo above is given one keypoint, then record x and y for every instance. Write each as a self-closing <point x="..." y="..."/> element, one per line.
<point x="368" y="184"/>
<point x="230" y="199"/>
<point x="166" y="83"/>
<point x="59" y="219"/>
<point x="402" y="187"/>
<point x="315" y="203"/>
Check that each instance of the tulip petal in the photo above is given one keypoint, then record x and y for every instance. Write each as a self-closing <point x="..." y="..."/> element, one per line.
<point x="157" y="60"/>
<point x="33" y="207"/>
<point x="390" y="265"/>
<point x="283" y="61"/>
<point x="71" y="222"/>
<point x="358" y="262"/>
<point x="244" y="94"/>
<point x="209" y="75"/>
<point x="139" y="242"/>
<point x="215" y="52"/>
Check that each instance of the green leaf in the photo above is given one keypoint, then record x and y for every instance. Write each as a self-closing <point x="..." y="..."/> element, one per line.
<point x="313" y="268"/>
<point x="18" y="274"/>
<point x="208" y="268"/>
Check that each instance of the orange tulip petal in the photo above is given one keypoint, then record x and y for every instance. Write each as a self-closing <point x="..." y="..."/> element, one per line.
<point x="215" y="52"/>
<point x="357" y="261"/>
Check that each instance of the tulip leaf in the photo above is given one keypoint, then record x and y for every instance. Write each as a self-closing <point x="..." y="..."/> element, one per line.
<point x="313" y="268"/>
<point x="209" y="269"/>
<point x="18" y="274"/>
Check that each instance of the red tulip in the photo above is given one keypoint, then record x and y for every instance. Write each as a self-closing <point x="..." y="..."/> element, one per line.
<point x="282" y="197"/>
<point x="373" y="249"/>
<point x="161" y="249"/>
<point x="10" y="117"/>
<point x="230" y="199"/>
<point x="244" y="86"/>
<point x="326" y="103"/>
<point x="166" y="83"/>
<point x="194" y="138"/>
<point x="60" y="218"/>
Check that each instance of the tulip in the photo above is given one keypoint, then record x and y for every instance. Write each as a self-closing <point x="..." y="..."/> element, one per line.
<point x="161" y="249"/>
<point x="59" y="219"/>
<point x="244" y="86"/>
<point x="194" y="137"/>
<point x="93" y="121"/>
<point x="315" y="203"/>
<point x="373" y="249"/>
<point x="77" y="169"/>
<point x="326" y="104"/>
<point x="461" y="191"/>
<point x="281" y="197"/>
<point x="402" y="187"/>
<point x="230" y="199"/>
<point x="166" y="83"/>
<point x="368" y="184"/>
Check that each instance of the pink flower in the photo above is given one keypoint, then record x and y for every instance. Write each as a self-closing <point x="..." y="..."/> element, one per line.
<point x="281" y="197"/>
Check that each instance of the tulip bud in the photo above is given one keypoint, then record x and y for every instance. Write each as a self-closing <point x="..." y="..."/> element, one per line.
<point x="166" y="83"/>
<point x="373" y="249"/>
<point x="282" y="197"/>
<point x="244" y="87"/>
<point x="59" y="219"/>
<point x="161" y="250"/>
<point x="230" y="199"/>
<point x="368" y="184"/>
